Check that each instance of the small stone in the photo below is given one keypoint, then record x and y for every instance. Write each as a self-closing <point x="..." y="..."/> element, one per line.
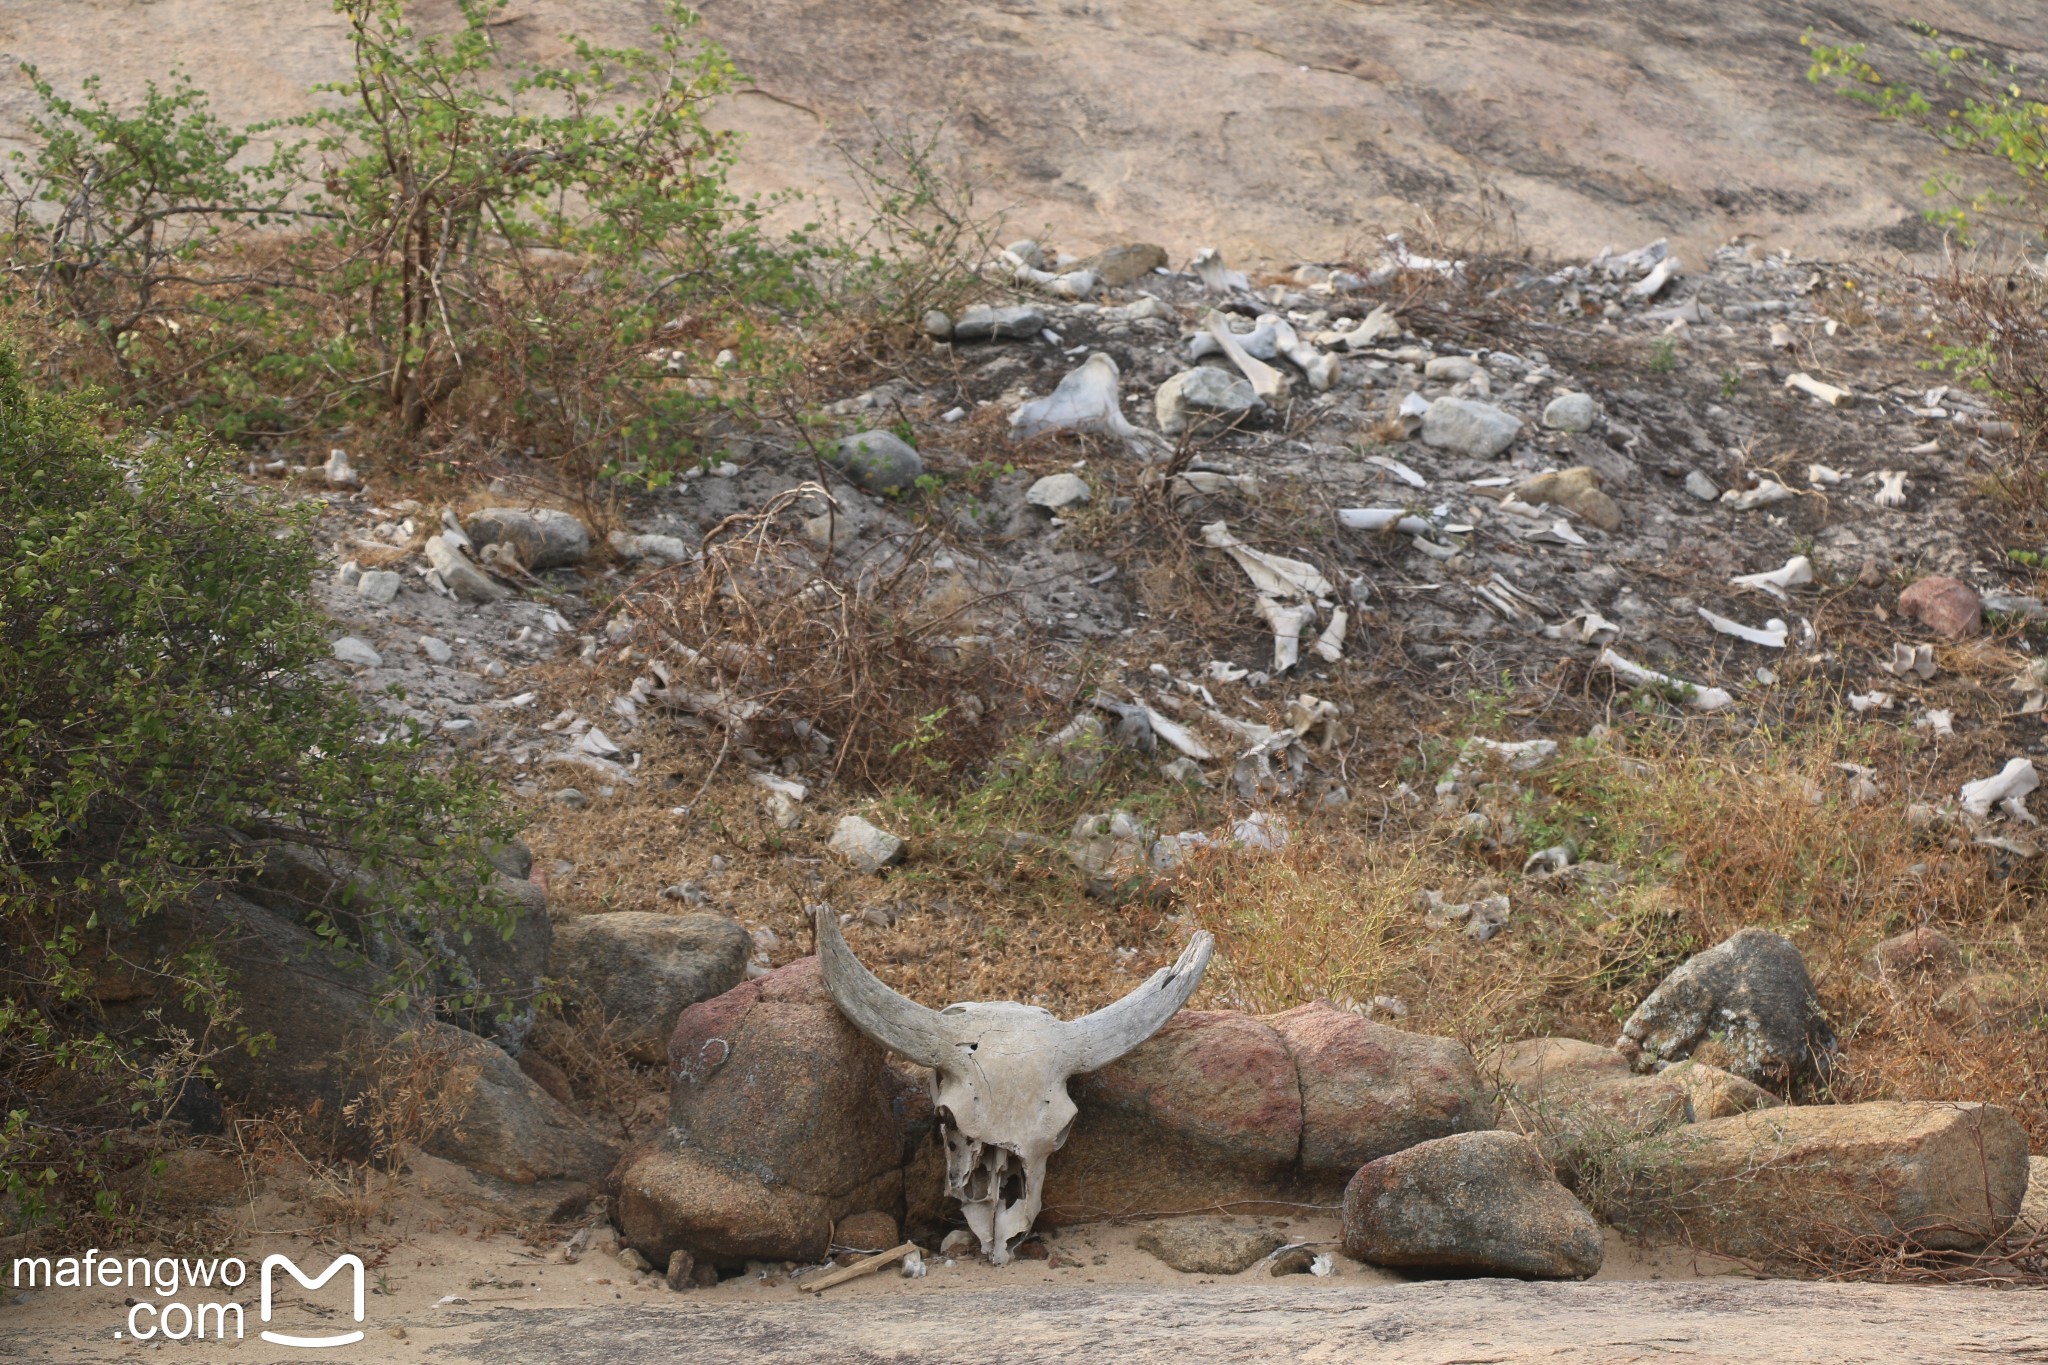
<point x="378" y="587"/>
<point x="862" y="845"/>
<point x="1571" y="412"/>
<point x="666" y="549"/>
<point x="682" y="1270"/>
<point x="1917" y="952"/>
<point x="870" y="1231"/>
<point x="339" y="472"/>
<point x="1700" y="486"/>
<point x="633" y="1260"/>
<point x="1482" y="1202"/>
<point x="569" y="798"/>
<point x="1746" y="1005"/>
<point x="1120" y="266"/>
<point x="1478" y="431"/>
<point x="542" y="537"/>
<point x="349" y="574"/>
<point x="938" y="325"/>
<point x="463" y="578"/>
<point x="878" y="462"/>
<point x="1947" y="606"/>
<point x="353" y="649"/>
<point x="1451" y="369"/>
<point x="1576" y="489"/>
<point x="458" y="725"/>
<point x="1204" y="397"/>
<point x="1208" y="1246"/>
<point x="998" y="324"/>
<point x="436" y="649"/>
<point x="1055" y="491"/>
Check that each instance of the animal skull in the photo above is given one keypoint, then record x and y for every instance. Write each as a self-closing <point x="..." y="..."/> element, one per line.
<point x="1000" y="1073"/>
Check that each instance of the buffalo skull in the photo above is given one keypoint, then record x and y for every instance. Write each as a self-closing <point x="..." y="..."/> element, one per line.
<point x="999" y="1073"/>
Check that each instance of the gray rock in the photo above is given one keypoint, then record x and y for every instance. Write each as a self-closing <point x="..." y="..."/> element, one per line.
<point x="1202" y="397"/>
<point x="998" y="324"/>
<point x="500" y="971"/>
<point x="938" y="325"/>
<point x="1745" y="1005"/>
<point x="1055" y="491"/>
<point x="666" y="549"/>
<point x="1477" y="431"/>
<point x="463" y="578"/>
<point x="1451" y="369"/>
<point x="542" y="537"/>
<point x="1700" y="486"/>
<point x="353" y="649"/>
<point x="1483" y="1202"/>
<point x="1209" y="1246"/>
<point x="865" y="847"/>
<point x="1571" y="412"/>
<point x="349" y="574"/>
<point x="877" y="461"/>
<point x="1124" y="265"/>
<point x="644" y="969"/>
<point x="378" y="587"/>
<point x="436" y="649"/>
<point x="569" y="797"/>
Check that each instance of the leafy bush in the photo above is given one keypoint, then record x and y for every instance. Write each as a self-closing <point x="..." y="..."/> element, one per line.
<point x="160" y="725"/>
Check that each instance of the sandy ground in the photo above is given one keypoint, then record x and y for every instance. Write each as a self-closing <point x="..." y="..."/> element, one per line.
<point x="1279" y="130"/>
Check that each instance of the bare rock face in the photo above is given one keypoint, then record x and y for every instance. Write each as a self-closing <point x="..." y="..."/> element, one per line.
<point x="782" y="1118"/>
<point x="1764" y="1185"/>
<point x="1209" y="1246"/>
<point x="1236" y="1110"/>
<point x="644" y="969"/>
<point x="1948" y="607"/>
<point x="1746" y="1005"/>
<point x="1119" y="266"/>
<point x="1483" y="1202"/>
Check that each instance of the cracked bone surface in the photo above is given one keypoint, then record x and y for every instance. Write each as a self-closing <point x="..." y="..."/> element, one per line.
<point x="1000" y="1071"/>
<point x="1216" y="277"/>
<point x="1086" y="400"/>
<point x="1797" y="572"/>
<point x="1893" y="493"/>
<point x="1268" y="383"/>
<point x="1320" y="369"/>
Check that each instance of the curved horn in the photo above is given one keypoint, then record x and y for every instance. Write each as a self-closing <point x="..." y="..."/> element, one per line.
<point x="895" y="1021"/>
<point x="1095" y="1040"/>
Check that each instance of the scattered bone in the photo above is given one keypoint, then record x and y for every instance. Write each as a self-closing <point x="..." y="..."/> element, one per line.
<point x="1772" y="636"/>
<point x="1482" y="918"/>
<point x="1797" y="572"/>
<point x="1262" y="341"/>
<point x="1782" y="338"/>
<point x="1826" y="393"/>
<point x="1863" y="789"/>
<point x="1087" y="400"/>
<point x="2032" y="685"/>
<point x="1273" y="575"/>
<point x="1820" y="476"/>
<point x="1287" y="620"/>
<point x="1698" y="698"/>
<point x="1766" y="492"/>
<point x="867" y="1265"/>
<point x="1940" y="723"/>
<point x="1547" y="863"/>
<point x="1268" y="383"/>
<point x="1400" y="471"/>
<point x="1380" y="518"/>
<point x="1588" y="627"/>
<point x="1859" y="702"/>
<point x="1652" y="284"/>
<point x="2007" y="788"/>
<point x="1329" y="646"/>
<point x="1320" y="369"/>
<point x="1216" y="277"/>
<point x="1893" y="494"/>
<point x="1917" y="660"/>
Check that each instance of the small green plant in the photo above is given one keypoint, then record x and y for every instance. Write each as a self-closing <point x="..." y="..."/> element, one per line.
<point x="1664" y="356"/>
<point x="1731" y="382"/>
<point x="2030" y="558"/>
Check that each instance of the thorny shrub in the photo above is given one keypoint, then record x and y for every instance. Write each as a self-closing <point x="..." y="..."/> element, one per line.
<point x="161" y="726"/>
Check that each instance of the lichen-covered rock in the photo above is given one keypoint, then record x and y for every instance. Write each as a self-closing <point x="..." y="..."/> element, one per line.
<point x="644" y="969"/>
<point x="1745" y="1005"/>
<point x="878" y="461"/>
<point x="1483" y="1202"/>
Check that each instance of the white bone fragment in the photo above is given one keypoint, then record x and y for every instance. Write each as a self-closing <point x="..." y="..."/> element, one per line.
<point x="1859" y="702"/>
<point x="1915" y="659"/>
<point x="1210" y="482"/>
<point x="1398" y="258"/>
<point x="1826" y="393"/>
<point x="1820" y="476"/>
<point x="338" y="470"/>
<point x="1329" y="646"/>
<point x="1320" y="369"/>
<point x="1652" y="284"/>
<point x="1632" y="263"/>
<point x="1288" y="620"/>
<point x="1557" y="533"/>
<point x="1698" y="698"/>
<point x="1893" y="493"/>
<point x="453" y="535"/>
<point x="1272" y="575"/>
<point x="1262" y="341"/>
<point x="1940" y="723"/>
<point x="1772" y="636"/>
<point x="1085" y="401"/>
<point x="1586" y="628"/>
<point x="1864" y="788"/>
<point x="781" y="786"/>
<point x="1000" y="1073"/>
<point x="1798" y="570"/>
<point x="596" y="743"/>
<point x="1219" y="670"/>
<point x="1398" y="470"/>
<point x="1380" y="518"/>
<point x="1268" y="383"/>
<point x="1433" y="549"/>
<point x="1378" y="325"/>
<point x="1782" y="338"/>
<point x="1216" y="277"/>
<point x="1766" y="492"/>
<point x="1176" y="735"/>
<point x="1076" y="284"/>
<point x="2009" y="787"/>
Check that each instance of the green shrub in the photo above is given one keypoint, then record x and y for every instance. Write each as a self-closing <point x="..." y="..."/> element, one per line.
<point x="160" y="722"/>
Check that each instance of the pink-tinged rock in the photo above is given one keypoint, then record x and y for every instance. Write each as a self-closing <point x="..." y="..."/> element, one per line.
<point x="1947" y="606"/>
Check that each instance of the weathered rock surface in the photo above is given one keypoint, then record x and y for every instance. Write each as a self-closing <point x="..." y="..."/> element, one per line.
<point x="998" y="324"/>
<point x="1119" y="266"/>
<point x="1475" y="430"/>
<point x="1209" y="1246"/>
<point x="1202" y="398"/>
<point x="1571" y="412"/>
<point x="864" y="846"/>
<point x="1482" y="1202"/>
<point x="782" y="1119"/>
<point x="1766" y="1184"/>
<point x="878" y="461"/>
<point x="644" y="969"/>
<point x="1746" y="1005"/>
<point x="542" y="537"/>
<point x="1221" y="1109"/>
<point x="1577" y="489"/>
<point x="1917" y="953"/>
<point x="1056" y="491"/>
